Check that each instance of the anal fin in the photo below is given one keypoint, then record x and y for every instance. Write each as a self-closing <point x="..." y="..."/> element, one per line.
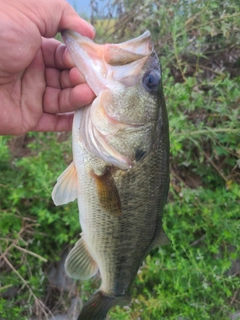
<point x="161" y="239"/>
<point x="79" y="263"/>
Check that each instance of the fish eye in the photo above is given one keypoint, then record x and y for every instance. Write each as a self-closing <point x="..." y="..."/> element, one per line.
<point x="151" y="80"/>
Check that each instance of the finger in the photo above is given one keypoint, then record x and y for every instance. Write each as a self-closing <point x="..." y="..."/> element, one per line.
<point x="76" y="77"/>
<point x="56" y="55"/>
<point x="71" y="20"/>
<point x="69" y="99"/>
<point x="54" y="122"/>
<point x="57" y="79"/>
<point x="32" y="91"/>
<point x="81" y="95"/>
<point x="53" y="51"/>
<point x="63" y="79"/>
<point x="57" y="15"/>
<point x="52" y="77"/>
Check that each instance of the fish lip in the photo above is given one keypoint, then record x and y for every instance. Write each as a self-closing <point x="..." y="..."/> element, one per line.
<point x="69" y="36"/>
<point x="63" y="33"/>
<point x="133" y="45"/>
<point x="68" y="32"/>
<point x="102" y="65"/>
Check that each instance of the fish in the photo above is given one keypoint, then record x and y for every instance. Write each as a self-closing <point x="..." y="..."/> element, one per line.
<point x="120" y="169"/>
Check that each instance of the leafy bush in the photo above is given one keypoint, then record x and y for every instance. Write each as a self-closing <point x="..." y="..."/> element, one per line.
<point x="33" y="230"/>
<point x="197" y="277"/>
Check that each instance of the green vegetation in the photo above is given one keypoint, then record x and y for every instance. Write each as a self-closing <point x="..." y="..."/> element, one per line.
<point x="198" y="276"/>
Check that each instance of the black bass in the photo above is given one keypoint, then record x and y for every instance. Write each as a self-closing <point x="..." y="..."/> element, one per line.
<point x="120" y="168"/>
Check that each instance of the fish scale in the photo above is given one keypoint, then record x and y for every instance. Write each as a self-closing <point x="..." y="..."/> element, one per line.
<point x="120" y="170"/>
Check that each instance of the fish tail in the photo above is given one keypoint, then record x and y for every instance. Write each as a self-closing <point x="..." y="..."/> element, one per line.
<point x="99" y="304"/>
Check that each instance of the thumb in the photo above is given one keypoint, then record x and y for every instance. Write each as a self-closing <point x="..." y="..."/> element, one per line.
<point x="52" y="16"/>
<point x="71" y="20"/>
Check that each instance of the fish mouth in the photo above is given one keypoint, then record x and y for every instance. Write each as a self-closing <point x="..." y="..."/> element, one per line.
<point x="107" y="68"/>
<point x="104" y="64"/>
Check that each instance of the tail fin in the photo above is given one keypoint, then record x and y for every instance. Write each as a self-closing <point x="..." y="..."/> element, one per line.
<point x="99" y="304"/>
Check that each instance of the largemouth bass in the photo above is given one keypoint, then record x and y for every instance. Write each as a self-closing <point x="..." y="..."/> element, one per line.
<point x="120" y="168"/>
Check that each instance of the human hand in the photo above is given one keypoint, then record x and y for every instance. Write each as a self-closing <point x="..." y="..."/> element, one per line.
<point x="39" y="85"/>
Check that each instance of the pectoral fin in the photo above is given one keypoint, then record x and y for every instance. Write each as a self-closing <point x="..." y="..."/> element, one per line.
<point x="79" y="263"/>
<point x="66" y="188"/>
<point x="108" y="194"/>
